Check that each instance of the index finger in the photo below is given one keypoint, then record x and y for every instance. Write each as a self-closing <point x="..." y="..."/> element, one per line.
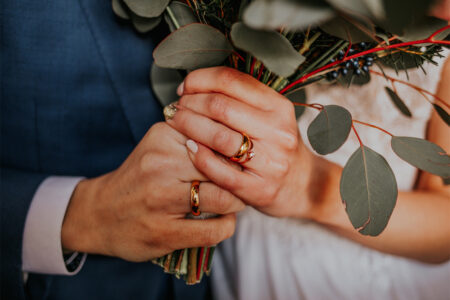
<point x="232" y="83"/>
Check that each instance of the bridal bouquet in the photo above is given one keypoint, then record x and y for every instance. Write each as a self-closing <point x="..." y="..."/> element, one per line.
<point x="288" y="44"/>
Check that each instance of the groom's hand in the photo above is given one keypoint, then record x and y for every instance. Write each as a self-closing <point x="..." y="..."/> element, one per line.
<point x="137" y="212"/>
<point x="216" y="105"/>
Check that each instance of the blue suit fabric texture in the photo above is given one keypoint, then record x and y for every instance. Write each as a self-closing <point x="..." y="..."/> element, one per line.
<point x="75" y="101"/>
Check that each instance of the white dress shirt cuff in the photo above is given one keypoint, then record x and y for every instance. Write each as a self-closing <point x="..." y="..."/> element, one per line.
<point x="42" y="249"/>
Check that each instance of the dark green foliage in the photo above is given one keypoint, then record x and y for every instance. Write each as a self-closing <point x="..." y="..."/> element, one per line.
<point x="398" y="102"/>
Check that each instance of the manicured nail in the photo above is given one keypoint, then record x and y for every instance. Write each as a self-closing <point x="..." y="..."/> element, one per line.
<point x="192" y="146"/>
<point x="170" y="111"/>
<point x="180" y="89"/>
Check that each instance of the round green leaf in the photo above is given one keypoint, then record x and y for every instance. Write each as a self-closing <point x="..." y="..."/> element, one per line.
<point x="367" y="8"/>
<point x="289" y="14"/>
<point x="147" y="8"/>
<point x="144" y="25"/>
<point x="191" y="47"/>
<point x="270" y="47"/>
<point x="330" y="129"/>
<point x="298" y="96"/>
<point x="120" y="9"/>
<point x="424" y="29"/>
<point x="183" y="14"/>
<point x="422" y="154"/>
<point x="349" y="28"/>
<point x="401" y="14"/>
<point x="398" y="102"/>
<point x="164" y="84"/>
<point x="369" y="191"/>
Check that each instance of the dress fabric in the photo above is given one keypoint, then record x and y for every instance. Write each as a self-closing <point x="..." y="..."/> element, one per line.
<point x="273" y="258"/>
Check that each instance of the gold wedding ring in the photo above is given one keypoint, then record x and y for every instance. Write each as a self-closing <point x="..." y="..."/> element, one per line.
<point x="195" y="198"/>
<point x="245" y="152"/>
<point x="245" y="147"/>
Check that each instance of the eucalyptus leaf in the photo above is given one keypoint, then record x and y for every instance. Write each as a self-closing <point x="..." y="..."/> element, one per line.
<point x="298" y="96"/>
<point x="424" y="29"/>
<point x="183" y="15"/>
<point x="398" y="102"/>
<point x="191" y="47"/>
<point x="147" y="8"/>
<point x="270" y="47"/>
<point x="422" y="154"/>
<point x="349" y="28"/>
<point x="400" y="14"/>
<point x="144" y="25"/>
<point x="442" y="113"/>
<point x="164" y="84"/>
<point x="369" y="190"/>
<point x="120" y="9"/>
<point x="330" y="129"/>
<point x="367" y="8"/>
<point x="293" y="15"/>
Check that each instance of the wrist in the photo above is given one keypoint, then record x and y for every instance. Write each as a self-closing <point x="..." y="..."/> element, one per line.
<point x="78" y="232"/>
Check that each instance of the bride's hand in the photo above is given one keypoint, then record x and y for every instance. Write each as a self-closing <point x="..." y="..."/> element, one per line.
<point x="216" y="105"/>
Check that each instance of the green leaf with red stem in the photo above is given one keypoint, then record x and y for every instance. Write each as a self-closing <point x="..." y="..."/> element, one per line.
<point x="191" y="47"/>
<point x="442" y="113"/>
<point x="146" y="8"/>
<point x="422" y="154"/>
<point x="369" y="191"/>
<point x="398" y="102"/>
<point x="330" y="129"/>
<point x="270" y="47"/>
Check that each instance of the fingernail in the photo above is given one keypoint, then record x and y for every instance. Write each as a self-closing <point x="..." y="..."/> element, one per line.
<point x="170" y="111"/>
<point x="180" y="89"/>
<point x="192" y="146"/>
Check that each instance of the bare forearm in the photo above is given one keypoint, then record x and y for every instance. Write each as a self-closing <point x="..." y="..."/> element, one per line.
<point x="419" y="227"/>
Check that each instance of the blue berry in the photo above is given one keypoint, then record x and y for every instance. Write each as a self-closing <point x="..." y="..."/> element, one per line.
<point x="358" y="71"/>
<point x="334" y="74"/>
<point x="369" y="58"/>
<point x="355" y="64"/>
<point x="368" y="63"/>
<point x="344" y="72"/>
<point x="365" y="68"/>
<point x="363" y="45"/>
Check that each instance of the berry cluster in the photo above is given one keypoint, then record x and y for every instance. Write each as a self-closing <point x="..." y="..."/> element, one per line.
<point x="358" y="65"/>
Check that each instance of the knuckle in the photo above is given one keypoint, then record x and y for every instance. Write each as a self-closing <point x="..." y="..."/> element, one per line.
<point x="290" y="141"/>
<point x="229" y="228"/>
<point x="282" y="168"/>
<point x="147" y="162"/>
<point x="211" y="236"/>
<point x="223" y="202"/>
<point x="268" y="193"/>
<point x="222" y="139"/>
<point x="218" y="106"/>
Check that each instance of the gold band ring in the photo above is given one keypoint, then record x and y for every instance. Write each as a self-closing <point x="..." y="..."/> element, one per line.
<point x="245" y="147"/>
<point x="195" y="198"/>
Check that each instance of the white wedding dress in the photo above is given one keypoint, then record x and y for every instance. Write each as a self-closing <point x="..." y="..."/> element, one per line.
<point x="272" y="258"/>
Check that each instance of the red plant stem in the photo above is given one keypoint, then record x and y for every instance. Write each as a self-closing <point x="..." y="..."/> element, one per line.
<point x="238" y="55"/>
<point x="373" y="126"/>
<point x="252" y="67"/>
<point x="261" y="69"/>
<point x="419" y="89"/>
<point x="313" y="105"/>
<point x="348" y="49"/>
<point x="357" y="135"/>
<point x="427" y="40"/>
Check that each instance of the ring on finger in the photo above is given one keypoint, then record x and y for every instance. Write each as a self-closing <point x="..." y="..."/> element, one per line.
<point x="195" y="198"/>
<point x="243" y="149"/>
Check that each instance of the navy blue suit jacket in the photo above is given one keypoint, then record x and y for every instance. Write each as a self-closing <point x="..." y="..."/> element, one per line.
<point x="75" y="100"/>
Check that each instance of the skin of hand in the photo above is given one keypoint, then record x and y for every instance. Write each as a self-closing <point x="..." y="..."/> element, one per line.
<point x="286" y="179"/>
<point x="137" y="212"/>
<point x="217" y="104"/>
